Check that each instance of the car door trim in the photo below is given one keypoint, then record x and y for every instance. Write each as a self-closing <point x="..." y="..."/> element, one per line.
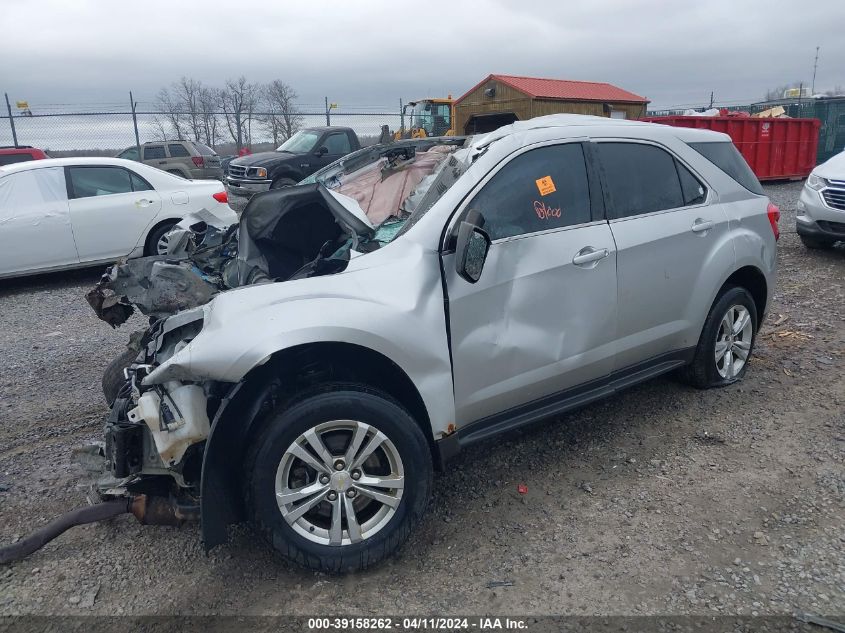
<point x="563" y="401"/>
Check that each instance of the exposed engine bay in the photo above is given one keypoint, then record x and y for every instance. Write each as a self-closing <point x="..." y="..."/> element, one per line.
<point x="308" y="230"/>
<point x="155" y="433"/>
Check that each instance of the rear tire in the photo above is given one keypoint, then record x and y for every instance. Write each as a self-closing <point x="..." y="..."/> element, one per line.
<point x="734" y="307"/>
<point x="329" y="536"/>
<point x="280" y="183"/>
<point x="814" y="244"/>
<point x="155" y="240"/>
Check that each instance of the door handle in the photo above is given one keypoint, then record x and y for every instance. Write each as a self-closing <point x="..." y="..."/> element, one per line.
<point x="143" y="202"/>
<point x="588" y="255"/>
<point x="701" y="226"/>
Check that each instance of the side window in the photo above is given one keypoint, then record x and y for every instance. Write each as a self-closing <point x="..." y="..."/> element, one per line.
<point x="34" y="189"/>
<point x="640" y="178"/>
<point x="337" y="143"/>
<point x="177" y="150"/>
<point x="545" y="188"/>
<point x="129" y="154"/>
<point x="138" y="183"/>
<point x="86" y="182"/>
<point x="151" y="152"/>
<point x="694" y="192"/>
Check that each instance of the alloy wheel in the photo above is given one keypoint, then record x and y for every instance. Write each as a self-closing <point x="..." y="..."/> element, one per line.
<point x="733" y="341"/>
<point x="339" y="483"/>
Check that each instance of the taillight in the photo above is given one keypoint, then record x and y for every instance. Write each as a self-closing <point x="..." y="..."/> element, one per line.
<point x="774" y="217"/>
<point x="199" y="161"/>
<point x="222" y="197"/>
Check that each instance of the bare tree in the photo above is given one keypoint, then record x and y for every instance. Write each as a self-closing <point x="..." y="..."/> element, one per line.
<point x="186" y="95"/>
<point x="172" y="114"/>
<point x="209" y="98"/>
<point x="238" y="99"/>
<point x="280" y="118"/>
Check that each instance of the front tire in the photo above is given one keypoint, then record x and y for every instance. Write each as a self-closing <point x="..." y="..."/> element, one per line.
<point x="726" y="342"/>
<point x="336" y="480"/>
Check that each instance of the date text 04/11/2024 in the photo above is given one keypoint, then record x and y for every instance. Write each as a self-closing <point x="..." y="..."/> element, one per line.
<point x="417" y="624"/>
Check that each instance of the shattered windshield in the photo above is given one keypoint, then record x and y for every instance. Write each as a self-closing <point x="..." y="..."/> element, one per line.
<point x="300" y="143"/>
<point x="392" y="184"/>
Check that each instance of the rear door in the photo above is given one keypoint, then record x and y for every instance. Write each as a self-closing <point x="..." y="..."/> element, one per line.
<point x="671" y="234"/>
<point x="542" y="317"/>
<point x="156" y="156"/>
<point x="110" y="208"/>
<point x="35" y="227"/>
<point x="180" y="158"/>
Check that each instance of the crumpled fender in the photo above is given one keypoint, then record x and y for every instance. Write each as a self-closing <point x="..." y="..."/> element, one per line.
<point x="398" y="313"/>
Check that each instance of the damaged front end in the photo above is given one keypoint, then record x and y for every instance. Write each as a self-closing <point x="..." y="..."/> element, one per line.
<point x="158" y="424"/>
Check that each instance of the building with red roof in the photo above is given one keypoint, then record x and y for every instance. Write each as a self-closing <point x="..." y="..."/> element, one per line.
<point x="502" y="99"/>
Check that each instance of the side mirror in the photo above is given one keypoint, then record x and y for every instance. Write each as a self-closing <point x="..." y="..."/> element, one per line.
<point x="471" y="249"/>
<point x="323" y="150"/>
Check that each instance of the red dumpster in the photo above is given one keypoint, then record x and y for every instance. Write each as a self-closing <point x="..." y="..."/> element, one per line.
<point x="774" y="148"/>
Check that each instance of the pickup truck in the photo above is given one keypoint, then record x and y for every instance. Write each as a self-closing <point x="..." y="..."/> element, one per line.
<point x="300" y="156"/>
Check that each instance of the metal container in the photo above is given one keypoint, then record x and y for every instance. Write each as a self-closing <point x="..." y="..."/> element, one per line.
<point x="774" y="148"/>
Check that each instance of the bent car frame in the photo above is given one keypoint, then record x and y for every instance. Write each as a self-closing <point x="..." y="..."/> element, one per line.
<point x="411" y="299"/>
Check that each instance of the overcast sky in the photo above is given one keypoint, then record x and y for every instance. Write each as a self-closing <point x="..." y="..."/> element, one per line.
<point x="372" y="53"/>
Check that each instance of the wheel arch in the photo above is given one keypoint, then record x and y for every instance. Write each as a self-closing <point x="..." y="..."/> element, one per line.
<point x="286" y="171"/>
<point x="754" y="281"/>
<point x="172" y="221"/>
<point x="288" y="371"/>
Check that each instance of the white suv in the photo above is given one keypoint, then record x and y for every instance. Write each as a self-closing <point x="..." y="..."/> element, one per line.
<point x="820" y="222"/>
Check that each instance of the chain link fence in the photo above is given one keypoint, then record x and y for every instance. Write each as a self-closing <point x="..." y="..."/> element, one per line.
<point x="108" y="133"/>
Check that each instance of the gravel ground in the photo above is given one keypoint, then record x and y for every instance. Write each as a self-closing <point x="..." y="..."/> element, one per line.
<point x="662" y="500"/>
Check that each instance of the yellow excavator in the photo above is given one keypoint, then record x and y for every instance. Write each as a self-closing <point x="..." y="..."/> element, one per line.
<point x="427" y="117"/>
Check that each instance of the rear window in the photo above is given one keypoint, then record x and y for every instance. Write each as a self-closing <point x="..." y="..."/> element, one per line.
<point x="8" y="159"/>
<point x="726" y="157"/>
<point x="154" y="151"/>
<point x="177" y="150"/>
<point x="204" y="150"/>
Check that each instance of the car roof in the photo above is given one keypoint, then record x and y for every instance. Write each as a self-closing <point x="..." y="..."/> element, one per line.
<point x="65" y="162"/>
<point x="175" y="140"/>
<point x="586" y="125"/>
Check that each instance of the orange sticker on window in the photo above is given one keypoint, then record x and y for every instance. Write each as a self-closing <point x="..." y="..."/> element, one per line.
<point x="546" y="185"/>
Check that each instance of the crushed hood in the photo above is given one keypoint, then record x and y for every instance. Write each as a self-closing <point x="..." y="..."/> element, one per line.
<point x="308" y="230"/>
<point x="262" y="159"/>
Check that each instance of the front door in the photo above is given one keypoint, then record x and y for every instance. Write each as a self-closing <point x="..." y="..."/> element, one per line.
<point x="110" y="208"/>
<point x="542" y="317"/>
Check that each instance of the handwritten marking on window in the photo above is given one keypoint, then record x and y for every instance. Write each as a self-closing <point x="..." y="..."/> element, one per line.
<point x="545" y="185"/>
<point x="543" y="212"/>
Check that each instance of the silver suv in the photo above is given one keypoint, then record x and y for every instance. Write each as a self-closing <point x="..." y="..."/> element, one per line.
<point x="415" y="298"/>
<point x="189" y="159"/>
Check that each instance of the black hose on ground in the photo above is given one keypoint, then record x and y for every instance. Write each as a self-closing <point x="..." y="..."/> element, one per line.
<point x="79" y="516"/>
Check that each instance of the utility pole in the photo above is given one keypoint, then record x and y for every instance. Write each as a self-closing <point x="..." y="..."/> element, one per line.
<point x="328" y="114"/>
<point x="135" y="124"/>
<point x="11" y="120"/>
<point x="711" y="99"/>
<point x="815" y="66"/>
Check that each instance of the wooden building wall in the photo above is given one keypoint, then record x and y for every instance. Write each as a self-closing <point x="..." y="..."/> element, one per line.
<point x="508" y="99"/>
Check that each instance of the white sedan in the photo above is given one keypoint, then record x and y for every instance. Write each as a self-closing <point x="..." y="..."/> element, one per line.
<point x="73" y="212"/>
